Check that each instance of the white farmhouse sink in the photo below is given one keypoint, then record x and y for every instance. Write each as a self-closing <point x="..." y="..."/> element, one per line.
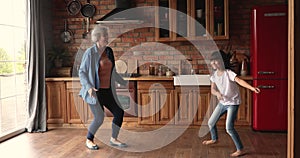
<point x="191" y="80"/>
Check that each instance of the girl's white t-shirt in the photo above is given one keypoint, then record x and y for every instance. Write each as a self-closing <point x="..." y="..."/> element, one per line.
<point x="227" y="87"/>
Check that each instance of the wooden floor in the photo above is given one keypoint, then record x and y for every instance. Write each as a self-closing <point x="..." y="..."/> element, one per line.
<point x="70" y="143"/>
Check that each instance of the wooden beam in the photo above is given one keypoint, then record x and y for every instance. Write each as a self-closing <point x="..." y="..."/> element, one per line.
<point x="290" y="143"/>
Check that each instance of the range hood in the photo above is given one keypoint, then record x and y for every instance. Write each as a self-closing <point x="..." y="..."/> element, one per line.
<point x="122" y="14"/>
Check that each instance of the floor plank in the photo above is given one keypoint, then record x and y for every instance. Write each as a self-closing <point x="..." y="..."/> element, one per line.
<point x="70" y="142"/>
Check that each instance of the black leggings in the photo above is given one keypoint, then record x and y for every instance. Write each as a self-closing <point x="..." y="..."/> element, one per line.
<point x="105" y="98"/>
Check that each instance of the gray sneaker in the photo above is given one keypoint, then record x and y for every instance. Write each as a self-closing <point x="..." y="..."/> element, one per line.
<point x="115" y="142"/>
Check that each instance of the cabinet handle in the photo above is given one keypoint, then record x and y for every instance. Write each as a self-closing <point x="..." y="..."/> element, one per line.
<point x="156" y="84"/>
<point x="266" y="87"/>
<point x="266" y="72"/>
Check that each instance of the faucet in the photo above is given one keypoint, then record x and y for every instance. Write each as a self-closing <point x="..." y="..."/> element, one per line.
<point x="185" y="67"/>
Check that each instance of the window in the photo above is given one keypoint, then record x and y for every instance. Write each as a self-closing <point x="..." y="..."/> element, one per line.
<point x="13" y="60"/>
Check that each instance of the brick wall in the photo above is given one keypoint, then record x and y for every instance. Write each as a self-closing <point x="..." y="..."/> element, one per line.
<point x="139" y="43"/>
<point x="47" y="23"/>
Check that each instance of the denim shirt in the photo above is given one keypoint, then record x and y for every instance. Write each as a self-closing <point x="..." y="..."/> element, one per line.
<point x="88" y="72"/>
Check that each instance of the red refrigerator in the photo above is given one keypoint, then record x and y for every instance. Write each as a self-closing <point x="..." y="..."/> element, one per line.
<point x="269" y="57"/>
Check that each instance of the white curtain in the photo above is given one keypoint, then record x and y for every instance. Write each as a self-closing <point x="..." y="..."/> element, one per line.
<point x="37" y="108"/>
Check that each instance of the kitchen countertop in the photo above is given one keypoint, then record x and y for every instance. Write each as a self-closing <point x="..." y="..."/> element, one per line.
<point x="140" y="78"/>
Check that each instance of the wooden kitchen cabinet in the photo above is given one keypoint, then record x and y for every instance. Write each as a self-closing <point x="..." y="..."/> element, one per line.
<point x="194" y="105"/>
<point x="56" y="101"/>
<point x="219" y="19"/>
<point x="64" y="106"/>
<point x="77" y="109"/>
<point x="202" y="99"/>
<point x="164" y="103"/>
<point x="146" y="110"/>
<point x="191" y="104"/>
<point x="159" y="103"/>
<point x="155" y="101"/>
<point x="244" y="116"/>
<point x="184" y="105"/>
<point x="172" y="24"/>
<point x="200" y="27"/>
<point x="191" y="19"/>
<point x="163" y="21"/>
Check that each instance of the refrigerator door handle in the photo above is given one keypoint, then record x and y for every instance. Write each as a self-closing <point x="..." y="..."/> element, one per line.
<point x="266" y="87"/>
<point x="266" y="72"/>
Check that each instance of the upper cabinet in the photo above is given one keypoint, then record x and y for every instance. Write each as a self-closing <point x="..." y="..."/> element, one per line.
<point x="163" y="21"/>
<point x="219" y="19"/>
<point x="191" y="19"/>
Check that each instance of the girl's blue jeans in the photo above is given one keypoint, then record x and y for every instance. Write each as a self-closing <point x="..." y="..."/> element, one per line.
<point x="219" y="111"/>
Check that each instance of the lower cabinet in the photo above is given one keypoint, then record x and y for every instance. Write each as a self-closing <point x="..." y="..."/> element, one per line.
<point x="64" y="106"/>
<point x="56" y="102"/>
<point x="244" y="116"/>
<point x="159" y="103"/>
<point x="77" y="110"/>
<point x="191" y="104"/>
<point x="194" y="105"/>
<point x="204" y="100"/>
<point x="156" y="103"/>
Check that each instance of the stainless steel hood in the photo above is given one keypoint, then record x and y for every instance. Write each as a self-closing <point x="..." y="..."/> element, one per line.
<point x="122" y="14"/>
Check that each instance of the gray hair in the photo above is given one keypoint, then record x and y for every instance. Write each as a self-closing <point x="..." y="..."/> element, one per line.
<point x="97" y="32"/>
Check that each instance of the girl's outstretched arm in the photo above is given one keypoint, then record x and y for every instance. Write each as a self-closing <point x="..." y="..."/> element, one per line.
<point x="246" y="85"/>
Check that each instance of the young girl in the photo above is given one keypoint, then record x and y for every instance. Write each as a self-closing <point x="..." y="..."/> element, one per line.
<point x="223" y="85"/>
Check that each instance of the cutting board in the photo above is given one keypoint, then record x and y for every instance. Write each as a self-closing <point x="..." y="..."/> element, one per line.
<point x="132" y="66"/>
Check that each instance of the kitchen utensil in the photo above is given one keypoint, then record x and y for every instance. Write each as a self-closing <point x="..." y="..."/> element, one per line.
<point x="74" y="7"/>
<point x="88" y="10"/>
<point x="121" y="66"/>
<point x="66" y="35"/>
<point x="87" y="22"/>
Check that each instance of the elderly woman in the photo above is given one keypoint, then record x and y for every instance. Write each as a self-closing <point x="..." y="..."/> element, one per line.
<point x="97" y="76"/>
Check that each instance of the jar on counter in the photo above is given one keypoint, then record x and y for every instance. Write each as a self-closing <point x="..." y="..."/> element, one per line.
<point x="151" y="69"/>
<point x="169" y="72"/>
<point x="160" y="71"/>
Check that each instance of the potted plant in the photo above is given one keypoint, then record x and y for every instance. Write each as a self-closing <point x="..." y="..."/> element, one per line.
<point x="56" y="55"/>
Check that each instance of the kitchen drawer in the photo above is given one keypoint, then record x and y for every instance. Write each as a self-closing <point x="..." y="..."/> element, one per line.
<point x="73" y="85"/>
<point x="155" y="84"/>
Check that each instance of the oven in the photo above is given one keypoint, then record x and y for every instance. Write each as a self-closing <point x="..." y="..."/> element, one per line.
<point x="127" y="97"/>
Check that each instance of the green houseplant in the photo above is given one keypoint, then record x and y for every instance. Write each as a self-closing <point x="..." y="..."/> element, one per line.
<point x="56" y="55"/>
